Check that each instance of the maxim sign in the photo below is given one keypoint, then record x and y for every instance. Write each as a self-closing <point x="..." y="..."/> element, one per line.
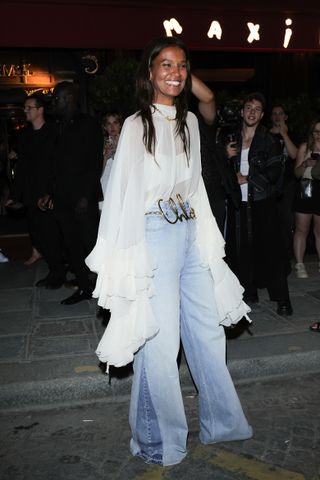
<point x="173" y="27"/>
<point x="13" y="70"/>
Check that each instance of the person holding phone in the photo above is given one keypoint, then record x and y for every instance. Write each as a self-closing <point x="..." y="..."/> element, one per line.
<point x="307" y="202"/>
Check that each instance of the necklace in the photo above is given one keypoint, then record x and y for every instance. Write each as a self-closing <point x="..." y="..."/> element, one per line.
<point x="169" y="119"/>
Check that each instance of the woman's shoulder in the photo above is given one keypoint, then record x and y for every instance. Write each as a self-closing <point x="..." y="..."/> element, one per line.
<point x="191" y="117"/>
<point x="192" y="122"/>
<point x="132" y="119"/>
<point x="133" y="124"/>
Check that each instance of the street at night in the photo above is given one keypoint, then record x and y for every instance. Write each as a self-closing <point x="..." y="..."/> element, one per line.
<point x="91" y="441"/>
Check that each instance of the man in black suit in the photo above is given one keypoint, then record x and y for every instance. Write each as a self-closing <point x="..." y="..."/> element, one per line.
<point x="35" y="146"/>
<point x="75" y="189"/>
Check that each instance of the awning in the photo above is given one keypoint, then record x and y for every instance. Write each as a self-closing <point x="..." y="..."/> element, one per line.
<point x="206" y="25"/>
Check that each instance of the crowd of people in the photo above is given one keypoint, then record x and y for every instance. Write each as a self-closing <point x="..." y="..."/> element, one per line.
<point x="192" y="225"/>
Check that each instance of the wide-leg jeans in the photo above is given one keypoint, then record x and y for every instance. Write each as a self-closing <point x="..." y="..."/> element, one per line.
<point x="185" y="308"/>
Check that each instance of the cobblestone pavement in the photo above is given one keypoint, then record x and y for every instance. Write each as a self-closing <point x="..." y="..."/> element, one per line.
<point x="91" y="441"/>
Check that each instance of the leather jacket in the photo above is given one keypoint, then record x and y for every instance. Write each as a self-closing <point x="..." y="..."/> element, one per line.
<point x="266" y="165"/>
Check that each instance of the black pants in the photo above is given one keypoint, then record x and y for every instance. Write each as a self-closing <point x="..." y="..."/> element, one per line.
<point x="258" y="259"/>
<point x="285" y="209"/>
<point x="79" y="232"/>
<point x="46" y="238"/>
<point x="219" y="211"/>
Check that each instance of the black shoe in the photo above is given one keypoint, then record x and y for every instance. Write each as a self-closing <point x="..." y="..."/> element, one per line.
<point x="284" y="308"/>
<point x="77" y="297"/>
<point x="43" y="282"/>
<point x="71" y="284"/>
<point x="54" y="283"/>
<point x="51" y="281"/>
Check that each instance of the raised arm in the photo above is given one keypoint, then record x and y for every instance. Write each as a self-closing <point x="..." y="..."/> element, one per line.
<point x="207" y="103"/>
<point x="290" y="146"/>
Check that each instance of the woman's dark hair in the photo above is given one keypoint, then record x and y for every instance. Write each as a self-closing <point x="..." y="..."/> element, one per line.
<point x="311" y="140"/>
<point x="145" y="93"/>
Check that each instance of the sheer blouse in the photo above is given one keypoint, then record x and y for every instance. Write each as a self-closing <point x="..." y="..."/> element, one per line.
<point x="121" y="258"/>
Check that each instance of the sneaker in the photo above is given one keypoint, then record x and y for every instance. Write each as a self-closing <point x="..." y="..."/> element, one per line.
<point x="301" y="271"/>
<point x="3" y="258"/>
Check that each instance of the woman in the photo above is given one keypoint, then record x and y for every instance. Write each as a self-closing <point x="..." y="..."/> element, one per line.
<point x="307" y="203"/>
<point x="111" y="127"/>
<point x="160" y="269"/>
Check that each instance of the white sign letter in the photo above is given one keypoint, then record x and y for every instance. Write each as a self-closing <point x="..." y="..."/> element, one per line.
<point x="254" y="32"/>
<point x="215" y="30"/>
<point x="288" y="33"/>
<point x="170" y="25"/>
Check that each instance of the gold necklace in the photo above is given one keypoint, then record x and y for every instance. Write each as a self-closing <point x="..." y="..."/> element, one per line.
<point x="169" y="119"/>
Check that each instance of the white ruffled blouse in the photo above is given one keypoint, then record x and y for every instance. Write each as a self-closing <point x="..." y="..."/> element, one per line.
<point x="121" y="258"/>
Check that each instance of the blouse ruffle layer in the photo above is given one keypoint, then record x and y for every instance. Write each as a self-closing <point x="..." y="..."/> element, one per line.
<point x="121" y="258"/>
<point x="124" y="285"/>
<point x="227" y="289"/>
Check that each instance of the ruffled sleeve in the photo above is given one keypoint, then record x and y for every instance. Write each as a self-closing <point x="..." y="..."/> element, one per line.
<point x="227" y="289"/>
<point x="120" y="257"/>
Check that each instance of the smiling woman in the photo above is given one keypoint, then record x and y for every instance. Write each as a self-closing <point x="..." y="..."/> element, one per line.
<point x="168" y="74"/>
<point x="159" y="260"/>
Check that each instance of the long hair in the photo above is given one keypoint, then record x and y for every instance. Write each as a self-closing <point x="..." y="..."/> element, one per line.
<point x="145" y="93"/>
<point x="311" y="140"/>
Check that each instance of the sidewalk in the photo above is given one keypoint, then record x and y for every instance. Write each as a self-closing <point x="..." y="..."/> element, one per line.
<point x="47" y="349"/>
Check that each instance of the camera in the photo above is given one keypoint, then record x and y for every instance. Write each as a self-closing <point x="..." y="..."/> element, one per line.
<point x="229" y="119"/>
<point x="229" y="114"/>
<point x="231" y="137"/>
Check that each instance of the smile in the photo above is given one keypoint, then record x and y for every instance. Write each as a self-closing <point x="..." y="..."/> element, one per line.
<point x="173" y="83"/>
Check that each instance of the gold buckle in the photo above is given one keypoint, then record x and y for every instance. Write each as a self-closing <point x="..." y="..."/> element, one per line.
<point x="184" y="215"/>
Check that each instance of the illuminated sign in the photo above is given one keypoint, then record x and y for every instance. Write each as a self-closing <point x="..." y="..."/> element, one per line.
<point x="170" y="25"/>
<point x="215" y="30"/>
<point x="13" y="70"/>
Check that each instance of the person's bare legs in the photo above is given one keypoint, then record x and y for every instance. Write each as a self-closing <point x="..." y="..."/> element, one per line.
<point x="35" y="255"/>
<point x="302" y="227"/>
<point x="316" y="231"/>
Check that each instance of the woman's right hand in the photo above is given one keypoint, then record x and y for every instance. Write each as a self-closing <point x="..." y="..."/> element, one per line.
<point x="309" y="162"/>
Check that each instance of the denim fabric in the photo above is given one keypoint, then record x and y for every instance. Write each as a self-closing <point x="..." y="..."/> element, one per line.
<point x="184" y="306"/>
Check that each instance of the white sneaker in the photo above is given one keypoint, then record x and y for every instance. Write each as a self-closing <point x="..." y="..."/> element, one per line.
<point x="301" y="271"/>
<point x="3" y="258"/>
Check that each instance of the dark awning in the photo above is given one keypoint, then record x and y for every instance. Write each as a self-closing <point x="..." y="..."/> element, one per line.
<point x="131" y="24"/>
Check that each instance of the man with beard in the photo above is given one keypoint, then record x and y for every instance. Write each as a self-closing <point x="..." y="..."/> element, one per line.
<point x="75" y="188"/>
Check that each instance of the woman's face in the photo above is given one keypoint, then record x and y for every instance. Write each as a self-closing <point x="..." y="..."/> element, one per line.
<point x="316" y="132"/>
<point x="168" y="74"/>
<point x="112" y="126"/>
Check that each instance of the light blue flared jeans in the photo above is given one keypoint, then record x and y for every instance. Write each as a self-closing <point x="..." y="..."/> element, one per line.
<point x="184" y="306"/>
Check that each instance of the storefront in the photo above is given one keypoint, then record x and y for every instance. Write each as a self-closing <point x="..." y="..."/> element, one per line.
<point x="289" y="25"/>
<point x="22" y="72"/>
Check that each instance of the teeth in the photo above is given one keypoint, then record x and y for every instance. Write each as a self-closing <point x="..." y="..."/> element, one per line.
<point x="174" y="83"/>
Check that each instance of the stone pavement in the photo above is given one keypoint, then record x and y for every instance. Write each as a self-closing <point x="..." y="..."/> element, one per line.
<point x="47" y="349"/>
<point x="91" y="442"/>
